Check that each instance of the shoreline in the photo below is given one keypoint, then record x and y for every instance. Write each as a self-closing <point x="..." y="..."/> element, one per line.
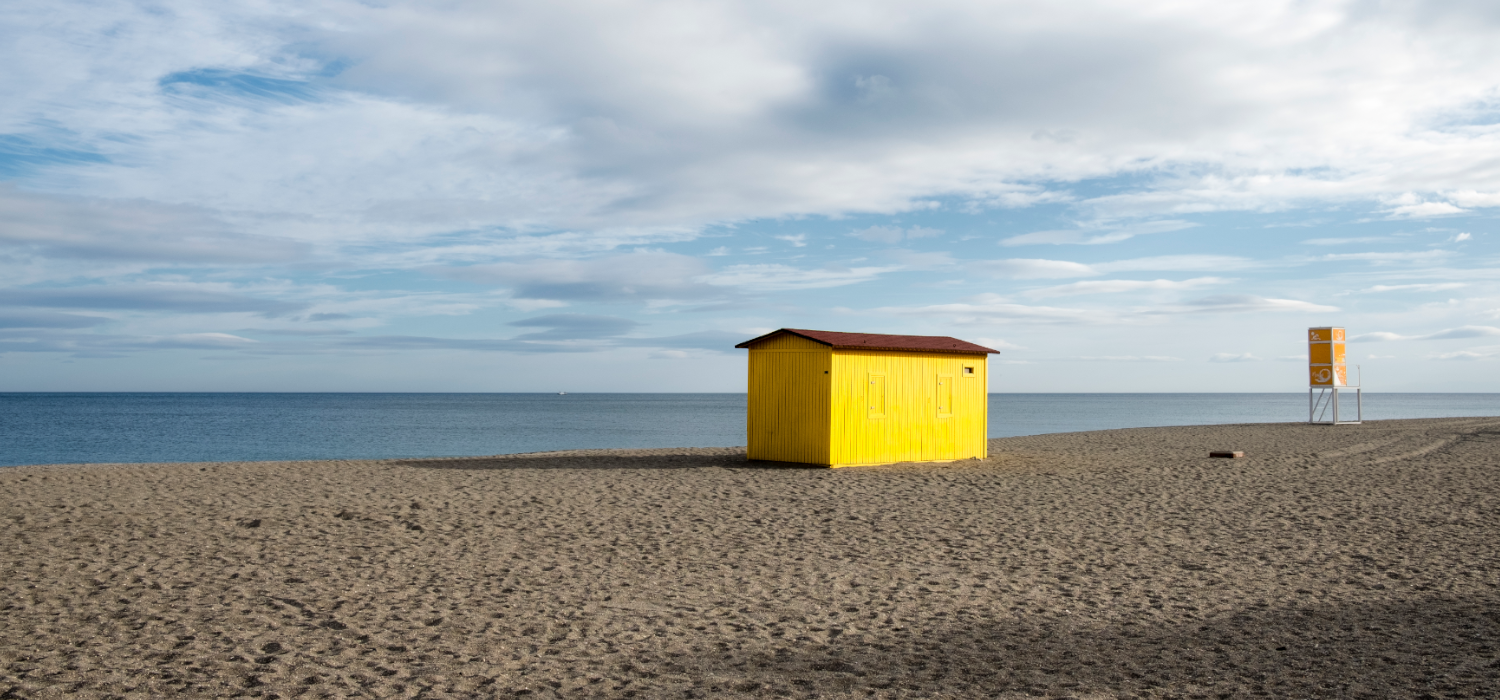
<point x="143" y="429"/>
<point x="724" y="451"/>
<point x="1338" y="561"/>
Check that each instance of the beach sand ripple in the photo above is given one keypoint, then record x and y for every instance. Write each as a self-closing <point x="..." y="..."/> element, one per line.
<point x="1349" y="561"/>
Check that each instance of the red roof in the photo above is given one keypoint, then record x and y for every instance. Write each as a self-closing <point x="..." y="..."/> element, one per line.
<point x="876" y="341"/>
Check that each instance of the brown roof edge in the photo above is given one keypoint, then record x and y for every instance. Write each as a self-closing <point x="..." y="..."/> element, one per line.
<point x="877" y="341"/>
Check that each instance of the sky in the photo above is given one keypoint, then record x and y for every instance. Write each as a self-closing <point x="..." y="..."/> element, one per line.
<point x="1119" y="196"/>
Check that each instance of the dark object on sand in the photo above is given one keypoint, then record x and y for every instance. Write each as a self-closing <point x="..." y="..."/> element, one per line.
<point x="1228" y="455"/>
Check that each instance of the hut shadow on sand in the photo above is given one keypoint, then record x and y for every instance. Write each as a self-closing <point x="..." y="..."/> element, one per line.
<point x="679" y="458"/>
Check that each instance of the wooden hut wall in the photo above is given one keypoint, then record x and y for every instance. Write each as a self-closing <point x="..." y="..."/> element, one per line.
<point x="907" y="406"/>
<point x="787" y="419"/>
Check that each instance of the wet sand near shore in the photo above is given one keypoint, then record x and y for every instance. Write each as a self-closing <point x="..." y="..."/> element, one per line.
<point x="1348" y="561"/>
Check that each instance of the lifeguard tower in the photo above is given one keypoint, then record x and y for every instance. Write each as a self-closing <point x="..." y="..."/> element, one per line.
<point x="852" y="399"/>
<point x="1328" y="374"/>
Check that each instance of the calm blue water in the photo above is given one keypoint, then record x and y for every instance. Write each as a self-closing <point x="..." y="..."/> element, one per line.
<point x="38" y="428"/>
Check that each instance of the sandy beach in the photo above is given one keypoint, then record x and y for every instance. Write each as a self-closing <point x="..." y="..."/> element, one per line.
<point x="1349" y="561"/>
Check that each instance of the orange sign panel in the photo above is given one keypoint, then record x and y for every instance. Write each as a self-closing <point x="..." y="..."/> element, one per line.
<point x="1325" y="353"/>
<point x="1315" y="335"/>
<point x="1328" y="375"/>
<point x="1326" y="356"/>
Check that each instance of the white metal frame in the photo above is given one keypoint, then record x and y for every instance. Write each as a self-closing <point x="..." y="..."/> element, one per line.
<point x="1327" y="397"/>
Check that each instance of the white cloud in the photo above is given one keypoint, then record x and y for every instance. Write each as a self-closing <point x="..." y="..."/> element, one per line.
<point x="170" y="298"/>
<point x="998" y="344"/>
<point x="529" y="305"/>
<point x="1424" y="210"/>
<point x="1379" y="337"/>
<point x="1433" y="287"/>
<point x="1343" y="241"/>
<point x="208" y="340"/>
<point x="1178" y="263"/>
<point x="1033" y="268"/>
<point x="104" y="230"/>
<point x="639" y="275"/>
<point x="463" y="249"/>
<point x="527" y="146"/>
<point x="1123" y="286"/>
<point x="1233" y="357"/>
<point x="1129" y="358"/>
<point x="891" y="235"/>
<point x="776" y="277"/>
<point x="1473" y="199"/>
<point x="990" y="309"/>
<point x="1238" y="303"/>
<point x="1463" y="332"/>
<point x="1418" y="256"/>
<point x="918" y="260"/>
<point x="1098" y="234"/>
<point x="1015" y="196"/>
<point x="1459" y="333"/>
<point x="874" y="89"/>
<point x="1467" y="355"/>
<point x="581" y="113"/>
<point x="1459" y="238"/>
<point x="1044" y="237"/>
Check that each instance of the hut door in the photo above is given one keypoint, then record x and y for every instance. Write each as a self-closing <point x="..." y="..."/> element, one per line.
<point x="945" y="396"/>
<point x="875" y="396"/>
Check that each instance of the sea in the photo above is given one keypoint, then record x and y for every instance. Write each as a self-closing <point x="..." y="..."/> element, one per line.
<point x="67" y="428"/>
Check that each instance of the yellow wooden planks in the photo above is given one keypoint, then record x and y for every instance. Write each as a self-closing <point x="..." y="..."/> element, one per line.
<point x="934" y="409"/>
<point x="788" y="413"/>
<point x="1326" y="357"/>
<point x="813" y="404"/>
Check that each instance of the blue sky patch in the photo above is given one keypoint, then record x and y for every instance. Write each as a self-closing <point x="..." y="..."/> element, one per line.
<point x="21" y="155"/>
<point x="237" y="84"/>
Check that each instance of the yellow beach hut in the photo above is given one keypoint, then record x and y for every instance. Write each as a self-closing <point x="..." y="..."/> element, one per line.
<point x="848" y="399"/>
